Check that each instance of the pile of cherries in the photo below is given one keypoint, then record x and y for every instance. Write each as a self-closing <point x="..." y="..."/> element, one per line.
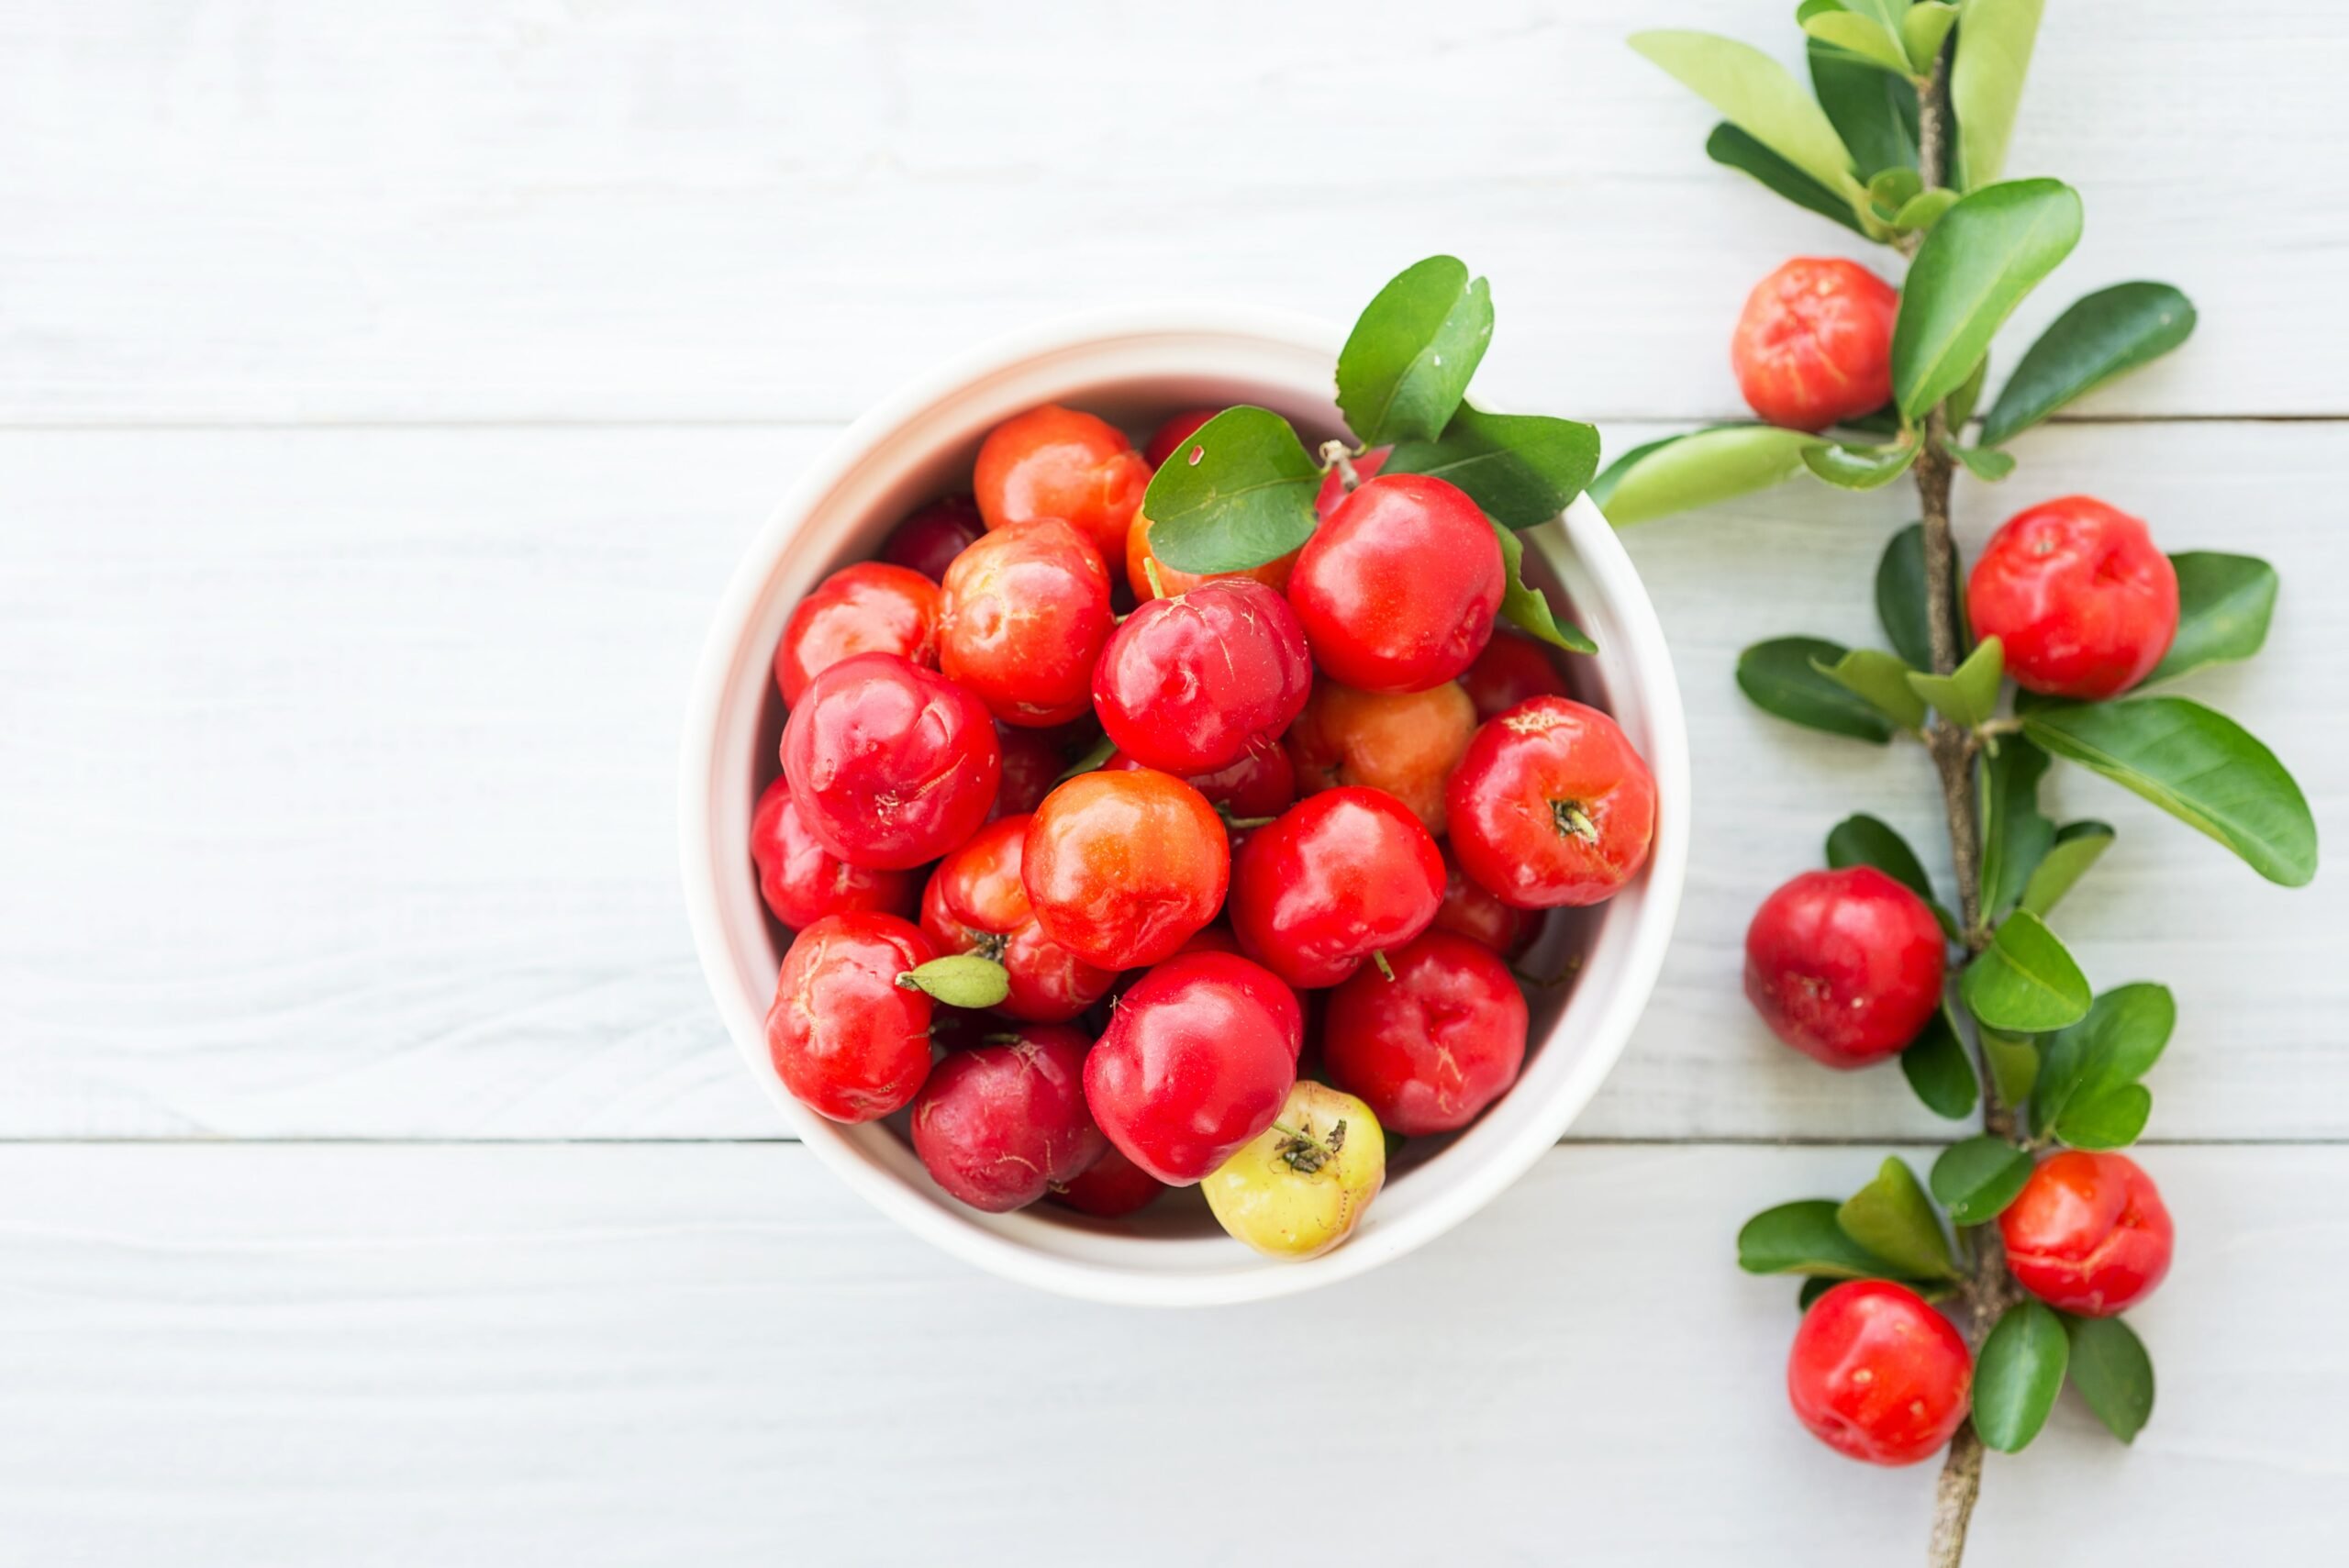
<point x="1205" y="839"/>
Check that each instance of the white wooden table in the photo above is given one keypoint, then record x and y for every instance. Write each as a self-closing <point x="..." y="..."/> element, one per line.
<point x="384" y="393"/>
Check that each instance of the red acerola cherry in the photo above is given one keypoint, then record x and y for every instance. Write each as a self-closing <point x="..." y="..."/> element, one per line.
<point x="1174" y="431"/>
<point x="848" y="1040"/>
<point x="1033" y="760"/>
<point x="1513" y="669"/>
<point x="1023" y="616"/>
<point x="1057" y="462"/>
<point x="1398" y="589"/>
<point x="1191" y="684"/>
<point x="1110" y="1188"/>
<point x="1552" y="806"/>
<point x="1430" y="1049"/>
<point x="2088" y="1234"/>
<point x="869" y="608"/>
<point x="1814" y="344"/>
<point x="1334" y="483"/>
<point x="1877" y="1374"/>
<point x="802" y="881"/>
<point x="1196" y="1060"/>
<point x="1152" y="578"/>
<point x="999" y="1125"/>
<point x="890" y="764"/>
<point x="1471" y="910"/>
<point x="1260" y="783"/>
<point x="1406" y="744"/>
<point x="1121" y="867"/>
<point x="975" y="902"/>
<point x="2083" y="601"/>
<point x="929" y="539"/>
<point x="1845" y="966"/>
<point x="1342" y="876"/>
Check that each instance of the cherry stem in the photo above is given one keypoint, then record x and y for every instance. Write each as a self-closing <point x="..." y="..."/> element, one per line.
<point x="1306" y="1153"/>
<point x="1335" y="454"/>
<point x="1571" y="821"/>
<point x="1149" y="570"/>
<point x="1241" y="824"/>
<point x="1379" y="958"/>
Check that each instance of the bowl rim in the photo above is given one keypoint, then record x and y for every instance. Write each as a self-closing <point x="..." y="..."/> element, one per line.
<point x="1646" y="660"/>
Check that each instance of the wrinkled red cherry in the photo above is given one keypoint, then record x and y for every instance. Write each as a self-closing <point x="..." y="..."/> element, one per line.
<point x="1398" y="591"/>
<point x="975" y="902"/>
<point x="1110" y="1188"/>
<point x="1334" y="483"/>
<point x="1471" y="910"/>
<point x="1430" y="1049"/>
<point x="1260" y="783"/>
<point x="1406" y="744"/>
<point x="865" y="608"/>
<point x="1342" y="876"/>
<point x="1845" y="965"/>
<point x="2084" y="603"/>
<point x="802" y="881"/>
<point x="2089" y="1233"/>
<point x="1023" y="616"/>
<point x="890" y="764"/>
<point x="928" y="541"/>
<point x="1552" y="806"/>
<point x="1513" y="669"/>
<point x="1121" y="867"/>
<point x="1191" y="684"/>
<point x="1196" y="1060"/>
<point x="1878" y="1376"/>
<point x="1813" y="347"/>
<point x="1000" y="1125"/>
<point x="1174" y="431"/>
<point x="1057" y="462"/>
<point x="848" y="1040"/>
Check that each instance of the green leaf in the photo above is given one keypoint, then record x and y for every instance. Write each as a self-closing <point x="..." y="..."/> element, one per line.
<point x="1753" y="91"/>
<point x="1782" y="677"/>
<point x="1872" y="111"/>
<point x="1859" y="468"/>
<point x="2196" y="765"/>
<point x="2017" y="1375"/>
<point x="1408" y="362"/>
<point x="1901" y="596"/>
<point x="1696" y="470"/>
<point x="1525" y="608"/>
<point x="1975" y="1179"/>
<point x="2016" y="835"/>
<point x="1893" y="1219"/>
<point x="1805" y="1238"/>
<point x="1881" y="680"/>
<point x="1983" y="464"/>
<point x="2224" y="606"/>
<point x="1986" y="82"/>
<point x="1958" y="406"/>
<point x="1889" y="189"/>
<point x="2112" y="1120"/>
<point x="1924" y="209"/>
<point x="2076" y="847"/>
<point x="1980" y="259"/>
<point x="1523" y="469"/>
<point x="1099" y="752"/>
<point x="1812" y="1289"/>
<point x="1240" y="494"/>
<point x="1858" y="35"/>
<point x="1938" y="1068"/>
<point x="1731" y="147"/>
<point x="1921" y="32"/>
<point x="2112" y="1371"/>
<point x="2013" y="1061"/>
<point x="2098" y="338"/>
<point x="1968" y="695"/>
<point x="2124" y="1033"/>
<point x="1863" y="841"/>
<point x="2025" y="982"/>
<point x="960" y="979"/>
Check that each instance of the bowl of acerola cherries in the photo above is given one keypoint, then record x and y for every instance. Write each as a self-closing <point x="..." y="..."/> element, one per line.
<point x="1155" y="936"/>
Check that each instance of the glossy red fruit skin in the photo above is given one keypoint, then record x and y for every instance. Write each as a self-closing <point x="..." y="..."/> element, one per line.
<point x="848" y="1040"/>
<point x="1406" y="744"/>
<point x="1398" y="590"/>
<point x="1511" y="670"/>
<point x="1877" y="1375"/>
<point x="1471" y="910"/>
<point x="1122" y="867"/>
<point x="1334" y="483"/>
<point x="1058" y="463"/>
<point x="1511" y="802"/>
<point x="1196" y="1060"/>
<point x="2083" y="601"/>
<point x="870" y="608"/>
<point x="1429" y="1050"/>
<point x="1172" y="432"/>
<point x="1341" y="875"/>
<point x="890" y="764"/>
<point x="1110" y="1188"/>
<point x="1033" y="760"/>
<point x="975" y="902"/>
<point x="1022" y="618"/>
<point x="1813" y="346"/>
<point x="802" y="881"/>
<point x="1191" y="684"/>
<point x="2089" y="1233"/>
<point x="1259" y="784"/>
<point x="930" y="538"/>
<point x="1846" y="966"/>
<point x="997" y="1126"/>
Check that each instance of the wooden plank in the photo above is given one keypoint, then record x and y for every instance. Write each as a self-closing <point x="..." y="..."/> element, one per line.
<point x="513" y="210"/>
<point x="613" y="1354"/>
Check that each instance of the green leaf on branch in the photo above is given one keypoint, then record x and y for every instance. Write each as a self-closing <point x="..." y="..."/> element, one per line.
<point x="2098" y="338"/>
<point x="1926" y="209"/>
<point x="2224" y="606"/>
<point x="2113" y="1120"/>
<point x="1889" y="189"/>
<point x="1922" y="31"/>
<point x="1732" y="149"/>
<point x="2088" y="1070"/>
<point x="1893" y="1219"/>
<point x="1696" y="470"/>
<point x="1782" y="677"/>
<point x="2017" y="1375"/>
<point x="1986" y="83"/>
<point x="2016" y="835"/>
<point x="1901" y="596"/>
<point x="1882" y="681"/>
<point x="1981" y="258"/>
<point x="2013" y="1061"/>
<point x="2075" y="846"/>
<point x="1984" y="463"/>
<point x="1240" y="494"/>
<point x="1938" y="1068"/>
<point x="1524" y="606"/>
<point x="2196" y="765"/>
<point x="1872" y="111"/>
<point x="1407" y="365"/>
<point x="2025" y="982"/>
<point x="1804" y="1237"/>
<point x="1977" y="1179"/>
<point x="1958" y="406"/>
<point x="1859" y="468"/>
<point x="1752" y="92"/>
<point x="1854" y="30"/>
<point x="1523" y="469"/>
<point x="1863" y="841"/>
<point x="1967" y="696"/>
<point x="2112" y="1371"/>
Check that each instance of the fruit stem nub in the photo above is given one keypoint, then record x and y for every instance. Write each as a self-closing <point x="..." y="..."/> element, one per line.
<point x="1571" y="821"/>
<point x="1335" y="454"/>
<point x="1306" y="1153"/>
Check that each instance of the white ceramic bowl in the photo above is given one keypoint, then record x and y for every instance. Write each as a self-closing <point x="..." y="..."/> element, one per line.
<point x="1133" y="367"/>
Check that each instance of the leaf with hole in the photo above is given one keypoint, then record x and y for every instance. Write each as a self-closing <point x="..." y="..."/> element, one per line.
<point x="2098" y="337"/>
<point x="2016" y="835"/>
<point x="1407" y="365"/>
<point x="1782" y="677"/>
<point x="1804" y="1237"/>
<point x="2017" y="1375"/>
<point x="1893" y="1219"/>
<point x="1881" y="680"/>
<point x="1240" y="494"/>
<point x="1981" y="258"/>
<point x="1525" y="608"/>
<point x="2224" y="606"/>
<point x="2025" y="982"/>
<point x="1977" y="1178"/>
<point x="1523" y="469"/>
<point x="1753" y="91"/>
<point x="1986" y="78"/>
<point x="2112" y="1371"/>
<point x="1698" y="470"/>
<point x="1732" y="149"/>
<point x="1872" y="111"/>
<point x="2075" y="846"/>
<point x="1859" y="468"/>
<point x="1968" y="694"/>
<point x="1938" y="1068"/>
